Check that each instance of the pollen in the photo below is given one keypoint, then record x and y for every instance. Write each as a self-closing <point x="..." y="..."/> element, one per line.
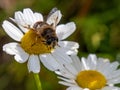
<point x="32" y="43"/>
<point x="91" y="79"/>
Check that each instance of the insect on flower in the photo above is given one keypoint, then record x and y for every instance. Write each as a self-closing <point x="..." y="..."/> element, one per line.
<point x="39" y="40"/>
<point x="45" y="31"/>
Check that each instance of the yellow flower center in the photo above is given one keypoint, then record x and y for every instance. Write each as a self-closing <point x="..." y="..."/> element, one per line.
<point x="91" y="79"/>
<point x="32" y="43"/>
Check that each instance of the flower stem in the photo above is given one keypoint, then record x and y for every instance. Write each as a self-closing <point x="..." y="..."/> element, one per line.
<point x="37" y="81"/>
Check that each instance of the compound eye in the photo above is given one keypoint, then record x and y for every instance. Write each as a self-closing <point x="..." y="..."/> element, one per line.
<point x="49" y="41"/>
<point x="48" y="36"/>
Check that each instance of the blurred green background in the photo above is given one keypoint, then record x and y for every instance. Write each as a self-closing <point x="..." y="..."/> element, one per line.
<point x="98" y="31"/>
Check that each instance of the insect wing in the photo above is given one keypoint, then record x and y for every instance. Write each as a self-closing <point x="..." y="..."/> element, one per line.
<point x="54" y="17"/>
<point x="52" y="11"/>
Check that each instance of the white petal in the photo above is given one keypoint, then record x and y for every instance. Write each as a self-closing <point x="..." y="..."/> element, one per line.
<point x="84" y="64"/>
<point x="114" y="74"/>
<point x="74" y="88"/>
<point x="114" y="65"/>
<point x="71" y="69"/>
<point x="46" y="64"/>
<point x="71" y="52"/>
<point x="76" y="62"/>
<point x="92" y="61"/>
<point x="14" y="49"/>
<point x="102" y="65"/>
<point x="65" y="30"/>
<point x="54" y="18"/>
<point x="28" y="14"/>
<point x="30" y="18"/>
<point x="61" y="56"/>
<point x="21" y="56"/>
<point x="23" y="21"/>
<point x="65" y="73"/>
<point x="109" y="71"/>
<point x="68" y="51"/>
<point x="38" y="17"/>
<point x="67" y="80"/>
<point x="114" y="80"/>
<point x="70" y="48"/>
<point x="10" y="48"/>
<point x="110" y="88"/>
<point x="49" y="62"/>
<point x="34" y="64"/>
<point x="68" y="44"/>
<point x="20" y="20"/>
<point x="12" y="30"/>
<point x="104" y="68"/>
<point x="112" y="69"/>
<point x="66" y="83"/>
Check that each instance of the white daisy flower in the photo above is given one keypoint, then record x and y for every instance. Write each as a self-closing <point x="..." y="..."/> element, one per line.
<point x="90" y="73"/>
<point x="39" y="40"/>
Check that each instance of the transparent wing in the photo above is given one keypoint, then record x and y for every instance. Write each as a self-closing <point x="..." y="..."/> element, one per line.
<point x="52" y="11"/>
<point x="54" y="17"/>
